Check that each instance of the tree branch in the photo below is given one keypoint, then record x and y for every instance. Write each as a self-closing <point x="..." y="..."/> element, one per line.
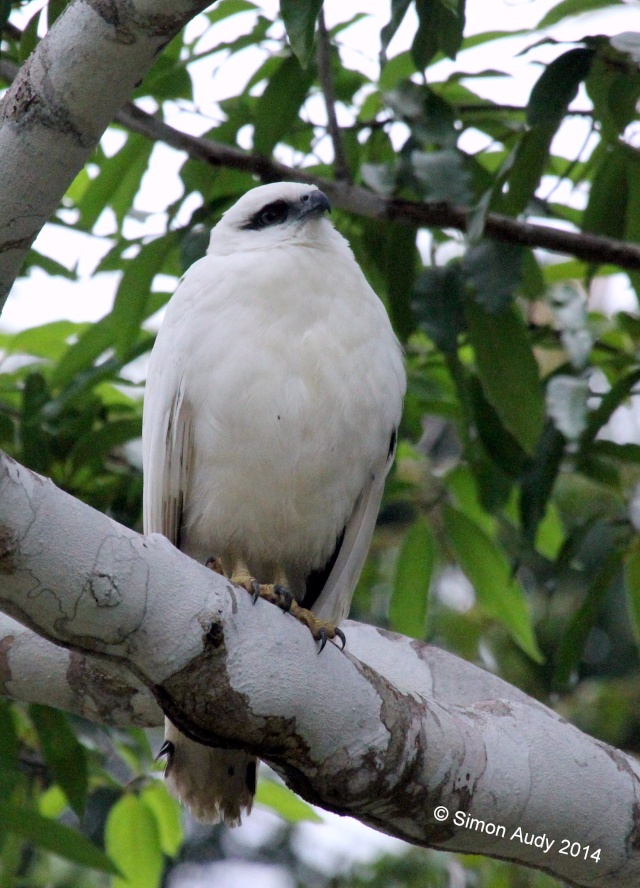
<point x="62" y="100"/>
<point x="34" y="670"/>
<point x="361" y="202"/>
<point x="323" y="56"/>
<point x="411" y="728"/>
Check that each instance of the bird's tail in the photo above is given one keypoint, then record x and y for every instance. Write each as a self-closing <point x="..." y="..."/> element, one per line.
<point x="214" y="784"/>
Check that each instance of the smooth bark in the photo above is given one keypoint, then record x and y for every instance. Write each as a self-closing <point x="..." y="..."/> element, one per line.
<point x="386" y="731"/>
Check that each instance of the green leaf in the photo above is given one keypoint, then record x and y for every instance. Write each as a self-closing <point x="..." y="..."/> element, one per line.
<point x="285" y="802"/>
<point x="508" y="371"/>
<point x="5" y="12"/>
<point x="278" y="107"/>
<point x="529" y="160"/>
<point x="537" y="484"/>
<point x="62" y="753"/>
<point x="501" y="446"/>
<point x="168" y="815"/>
<point x="168" y="78"/>
<point x="399" y="260"/>
<point x="226" y="8"/>
<point x="55" y="8"/>
<point x="46" y="263"/>
<point x="130" y="306"/>
<point x="52" y="802"/>
<point x="599" y="417"/>
<point x="573" y="7"/>
<point x="54" y="837"/>
<point x="80" y="356"/>
<point x="29" y="37"/>
<point x="611" y="450"/>
<point x="396" y="71"/>
<point x="117" y="182"/>
<point x="606" y="210"/>
<point x="399" y="9"/>
<point x="408" y="609"/>
<point x="299" y="17"/>
<point x="35" y="446"/>
<point x="493" y="270"/>
<point x="632" y="228"/>
<point x="440" y="26"/>
<point x="46" y="340"/>
<point x="442" y="175"/>
<point x="498" y="592"/>
<point x="439" y="305"/>
<point x="98" y="443"/>
<point x="8" y="750"/>
<point x="132" y="840"/>
<point x="632" y="586"/>
<point x="571" y="647"/>
<point x="557" y="86"/>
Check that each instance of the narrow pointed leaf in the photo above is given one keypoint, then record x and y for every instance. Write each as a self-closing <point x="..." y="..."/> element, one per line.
<point x="499" y="593"/>
<point x="285" y="802"/>
<point x="408" y="610"/>
<point x="53" y="836"/>
<point x="508" y="371"/>
<point x="63" y="754"/>
<point x="299" y="17"/>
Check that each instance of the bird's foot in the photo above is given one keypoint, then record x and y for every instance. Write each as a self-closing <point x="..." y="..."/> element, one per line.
<point x="321" y="630"/>
<point x="215" y="564"/>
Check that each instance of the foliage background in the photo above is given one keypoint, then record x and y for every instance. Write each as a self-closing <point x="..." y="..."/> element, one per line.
<point x="508" y="529"/>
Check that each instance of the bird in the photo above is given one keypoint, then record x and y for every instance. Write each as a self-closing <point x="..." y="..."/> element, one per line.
<point x="270" y="421"/>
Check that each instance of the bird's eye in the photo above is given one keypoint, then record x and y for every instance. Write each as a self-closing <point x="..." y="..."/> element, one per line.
<point x="272" y="214"/>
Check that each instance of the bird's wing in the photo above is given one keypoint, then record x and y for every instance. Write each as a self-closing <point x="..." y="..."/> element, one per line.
<point x="168" y="447"/>
<point x="334" y="601"/>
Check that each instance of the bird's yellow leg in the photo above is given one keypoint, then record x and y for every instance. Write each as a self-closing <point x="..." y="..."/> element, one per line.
<point x="278" y="594"/>
<point x="322" y="630"/>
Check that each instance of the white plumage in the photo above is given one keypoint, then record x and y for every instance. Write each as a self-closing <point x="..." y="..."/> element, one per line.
<point x="273" y="398"/>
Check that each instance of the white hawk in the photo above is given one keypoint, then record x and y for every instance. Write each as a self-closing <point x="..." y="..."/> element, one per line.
<point x="271" y="411"/>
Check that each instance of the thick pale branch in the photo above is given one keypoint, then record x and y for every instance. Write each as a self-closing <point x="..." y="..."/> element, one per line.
<point x="33" y="670"/>
<point x="386" y="731"/>
<point x="62" y="100"/>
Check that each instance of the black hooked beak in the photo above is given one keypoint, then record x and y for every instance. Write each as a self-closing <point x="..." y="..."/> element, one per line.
<point x="314" y="203"/>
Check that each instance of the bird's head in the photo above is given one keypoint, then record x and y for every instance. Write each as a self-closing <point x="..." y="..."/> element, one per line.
<point x="273" y="215"/>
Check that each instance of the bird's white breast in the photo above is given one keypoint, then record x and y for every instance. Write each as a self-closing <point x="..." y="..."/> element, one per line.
<point x="296" y="382"/>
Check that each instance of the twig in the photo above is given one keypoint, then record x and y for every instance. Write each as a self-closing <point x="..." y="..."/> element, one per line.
<point x="325" y="76"/>
<point x="354" y="199"/>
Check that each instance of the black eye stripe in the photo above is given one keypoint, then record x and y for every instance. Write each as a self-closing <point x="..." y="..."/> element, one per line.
<point x="271" y="214"/>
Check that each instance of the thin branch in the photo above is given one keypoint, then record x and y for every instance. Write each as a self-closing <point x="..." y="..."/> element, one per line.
<point x="361" y="202"/>
<point x="325" y="75"/>
<point x="353" y="199"/>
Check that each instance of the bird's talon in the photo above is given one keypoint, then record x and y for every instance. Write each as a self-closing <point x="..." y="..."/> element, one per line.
<point x="165" y="749"/>
<point x="322" y="638"/>
<point x="215" y="564"/>
<point x="256" y="590"/>
<point x="340" y="634"/>
<point x="286" y="598"/>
